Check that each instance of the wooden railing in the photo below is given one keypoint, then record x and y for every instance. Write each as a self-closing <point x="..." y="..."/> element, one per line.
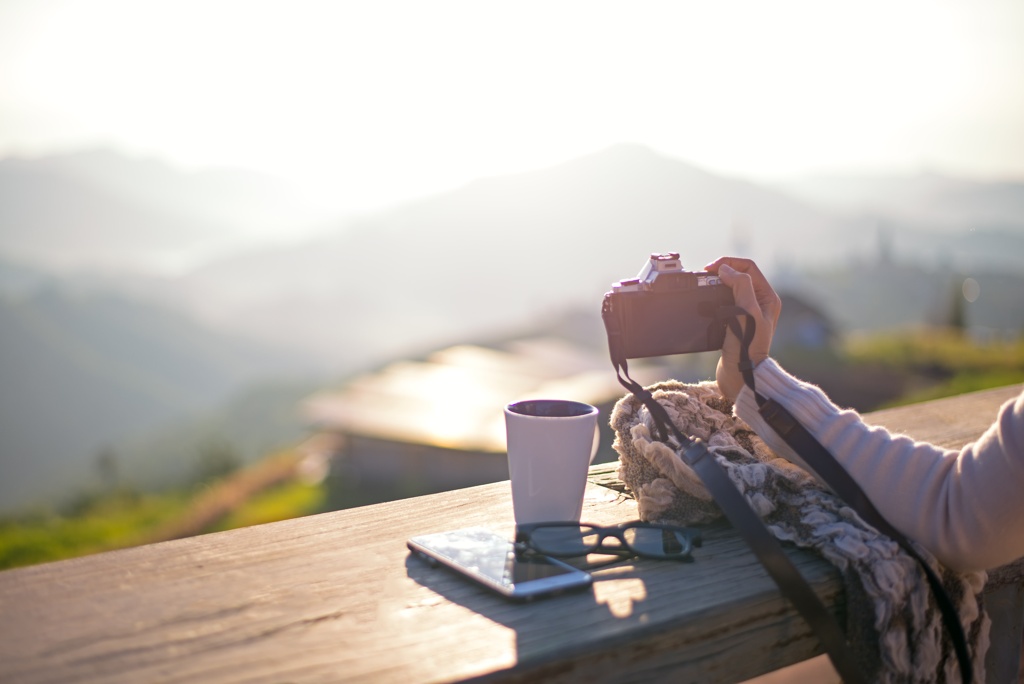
<point x="336" y="597"/>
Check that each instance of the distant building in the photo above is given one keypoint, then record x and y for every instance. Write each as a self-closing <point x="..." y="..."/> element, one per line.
<point x="804" y="326"/>
<point x="418" y="427"/>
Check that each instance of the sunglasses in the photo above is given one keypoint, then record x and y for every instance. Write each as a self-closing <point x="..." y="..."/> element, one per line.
<point x="647" y="540"/>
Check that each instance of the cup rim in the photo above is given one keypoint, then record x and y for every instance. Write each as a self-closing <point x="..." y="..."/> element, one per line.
<point x="550" y="408"/>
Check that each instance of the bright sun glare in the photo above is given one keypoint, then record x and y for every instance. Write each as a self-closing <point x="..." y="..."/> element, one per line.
<point x="364" y="103"/>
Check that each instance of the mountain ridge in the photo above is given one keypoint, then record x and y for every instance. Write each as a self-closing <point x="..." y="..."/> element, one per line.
<point x="504" y="246"/>
<point x="100" y="210"/>
<point x="79" y="373"/>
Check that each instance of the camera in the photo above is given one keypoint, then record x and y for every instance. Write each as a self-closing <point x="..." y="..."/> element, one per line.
<point x="665" y="310"/>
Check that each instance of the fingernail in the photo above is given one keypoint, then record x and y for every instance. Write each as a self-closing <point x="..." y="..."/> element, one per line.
<point x="727" y="268"/>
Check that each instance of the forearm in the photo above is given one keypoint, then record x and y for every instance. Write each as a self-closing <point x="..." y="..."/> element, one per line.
<point x="964" y="507"/>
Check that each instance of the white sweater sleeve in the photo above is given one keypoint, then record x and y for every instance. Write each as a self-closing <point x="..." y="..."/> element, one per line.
<point x="966" y="507"/>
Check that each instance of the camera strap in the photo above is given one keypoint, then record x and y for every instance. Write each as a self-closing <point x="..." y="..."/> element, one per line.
<point x="842" y="483"/>
<point x="753" y="531"/>
<point x="750" y="527"/>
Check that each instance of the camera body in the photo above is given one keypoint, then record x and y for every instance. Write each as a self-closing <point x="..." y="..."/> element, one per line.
<point x="665" y="310"/>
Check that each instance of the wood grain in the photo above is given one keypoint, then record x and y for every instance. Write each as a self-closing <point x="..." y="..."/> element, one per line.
<point x="337" y="597"/>
<point x="950" y="422"/>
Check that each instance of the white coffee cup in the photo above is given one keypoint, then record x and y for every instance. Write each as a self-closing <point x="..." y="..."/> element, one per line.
<point x="551" y="443"/>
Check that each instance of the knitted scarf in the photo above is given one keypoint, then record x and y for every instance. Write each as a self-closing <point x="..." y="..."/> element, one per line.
<point x="893" y="624"/>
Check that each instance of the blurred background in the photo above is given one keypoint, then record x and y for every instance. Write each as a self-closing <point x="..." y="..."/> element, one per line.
<point x="265" y="259"/>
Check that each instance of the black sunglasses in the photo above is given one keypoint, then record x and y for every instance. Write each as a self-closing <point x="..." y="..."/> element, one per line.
<point x="648" y="540"/>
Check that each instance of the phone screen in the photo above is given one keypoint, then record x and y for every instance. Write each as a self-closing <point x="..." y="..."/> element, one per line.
<point x="491" y="559"/>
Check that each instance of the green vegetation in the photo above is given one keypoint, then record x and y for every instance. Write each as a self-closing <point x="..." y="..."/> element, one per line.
<point x="95" y="523"/>
<point x="939" y="363"/>
<point x="286" y="501"/>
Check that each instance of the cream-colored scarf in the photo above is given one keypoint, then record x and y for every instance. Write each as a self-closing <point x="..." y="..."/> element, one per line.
<point x="893" y="623"/>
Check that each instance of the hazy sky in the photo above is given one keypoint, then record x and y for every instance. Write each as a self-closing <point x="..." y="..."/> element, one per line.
<point x="366" y="102"/>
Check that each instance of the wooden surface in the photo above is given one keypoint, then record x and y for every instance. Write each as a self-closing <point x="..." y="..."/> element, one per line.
<point x="336" y="597"/>
<point x="951" y="422"/>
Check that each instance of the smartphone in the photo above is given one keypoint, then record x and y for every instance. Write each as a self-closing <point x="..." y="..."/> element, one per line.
<point x="491" y="560"/>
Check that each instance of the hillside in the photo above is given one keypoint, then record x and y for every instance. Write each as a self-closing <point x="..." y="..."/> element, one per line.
<point x="501" y="251"/>
<point x="493" y="254"/>
<point x="78" y="373"/>
<point x="100" y="211"/>
<point x="925" y="199"/>
<point x="899" y="295"/>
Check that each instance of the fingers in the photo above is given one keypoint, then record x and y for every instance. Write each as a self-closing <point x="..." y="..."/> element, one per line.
<point x="742" y="288"/>
<point x="751" y="292"/>
<point x="738" y="263"/>
<point x="768" y="302"/>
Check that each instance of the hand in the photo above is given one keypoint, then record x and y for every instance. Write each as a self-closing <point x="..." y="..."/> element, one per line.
<point x="752" y="293"/>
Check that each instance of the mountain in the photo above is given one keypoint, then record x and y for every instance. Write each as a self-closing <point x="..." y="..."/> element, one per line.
<point x="100" y="210"/>
<point x="493" y="254"/>
<point x="932" y="200"/>
<point x="241" y="200"/>
<point x="80" y="372"/>
<point x="17" y="279"/>
<point x="499" y="252"/>
<point x="885" y="295"/>
<point x="928" y="219"/>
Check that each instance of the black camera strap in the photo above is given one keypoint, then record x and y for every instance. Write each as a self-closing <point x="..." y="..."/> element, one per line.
<point x="842" y="483"/>
<point x="766" y="548"/>
<point x="747" y="523"/>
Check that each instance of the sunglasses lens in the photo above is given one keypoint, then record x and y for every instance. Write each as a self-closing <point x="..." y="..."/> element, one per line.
<point x="568" y="540"/>
<point x="657" y="541"/>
